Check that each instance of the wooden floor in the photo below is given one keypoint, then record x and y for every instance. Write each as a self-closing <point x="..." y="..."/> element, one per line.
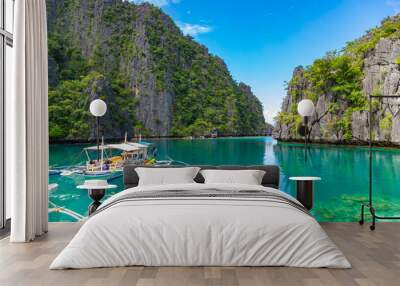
<point x="375" y="257"/>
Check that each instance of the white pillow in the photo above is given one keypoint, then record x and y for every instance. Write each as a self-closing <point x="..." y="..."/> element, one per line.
<point x="248" y="177"/>
<point x="166" y="176"/>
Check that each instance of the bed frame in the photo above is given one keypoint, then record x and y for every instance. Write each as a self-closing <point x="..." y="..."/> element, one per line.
<point x="270" y="179"/>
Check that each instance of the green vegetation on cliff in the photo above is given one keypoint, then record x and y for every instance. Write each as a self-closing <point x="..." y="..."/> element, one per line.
<point x="154" y="79"/>
<point x="338" y="78"/>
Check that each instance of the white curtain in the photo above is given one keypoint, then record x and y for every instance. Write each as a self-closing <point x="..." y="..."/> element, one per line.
<point x="27" y="123"/>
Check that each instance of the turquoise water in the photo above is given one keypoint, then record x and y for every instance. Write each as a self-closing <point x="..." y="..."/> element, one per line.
<point x="67" y="195"/>
<point x="344" y="172"/>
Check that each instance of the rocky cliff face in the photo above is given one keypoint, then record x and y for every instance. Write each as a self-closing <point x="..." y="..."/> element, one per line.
<point x="155" y="80"/>
<point x="339" y="86"/>
<point x="381" y="77"/>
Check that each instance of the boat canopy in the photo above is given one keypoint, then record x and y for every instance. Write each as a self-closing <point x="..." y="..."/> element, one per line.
<point x="139" y="145"/>
<point x="94" y="148"/>
<point x="126" y="147"/>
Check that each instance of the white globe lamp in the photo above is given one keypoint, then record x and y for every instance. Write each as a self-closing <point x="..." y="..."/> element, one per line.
<point x="98" y="107"/>
<point x="306" y="108"/>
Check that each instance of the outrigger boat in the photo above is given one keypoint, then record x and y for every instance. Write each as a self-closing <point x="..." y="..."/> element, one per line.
<point x="112" y="157"/>
<point x="130" y="153"/>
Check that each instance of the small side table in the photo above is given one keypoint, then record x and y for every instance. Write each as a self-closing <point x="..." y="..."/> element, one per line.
<point x="96" y="191"/>
<point x="305" y="190"/>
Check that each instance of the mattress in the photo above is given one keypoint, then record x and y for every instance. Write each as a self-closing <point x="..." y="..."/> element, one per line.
<point x="201" y="225"/>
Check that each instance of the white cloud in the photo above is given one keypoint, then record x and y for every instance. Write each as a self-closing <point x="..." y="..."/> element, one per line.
<point x="194" y="29"/>
<point x="269" y="115"/>
<point x="394" y="4"/>
<point x="159" y="3"/>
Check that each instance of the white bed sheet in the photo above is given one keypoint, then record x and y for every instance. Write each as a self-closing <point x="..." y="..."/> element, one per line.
<point x="200" y="232"/>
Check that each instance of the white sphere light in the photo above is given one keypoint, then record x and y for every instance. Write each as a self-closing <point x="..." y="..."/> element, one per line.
<point x="306" y="107"/>
<point x="98" y="107"/>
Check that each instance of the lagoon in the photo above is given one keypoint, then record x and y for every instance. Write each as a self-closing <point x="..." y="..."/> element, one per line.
<point x="343" y="169"/>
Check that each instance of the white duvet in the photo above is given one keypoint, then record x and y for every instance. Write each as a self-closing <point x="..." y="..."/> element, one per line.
<point x="199" y="231"/>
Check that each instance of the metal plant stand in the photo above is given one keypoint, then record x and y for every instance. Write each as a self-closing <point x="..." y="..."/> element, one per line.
<point x="370" y="205"/>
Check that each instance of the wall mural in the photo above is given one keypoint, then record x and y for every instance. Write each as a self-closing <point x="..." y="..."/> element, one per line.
<point x="170" y="100"/>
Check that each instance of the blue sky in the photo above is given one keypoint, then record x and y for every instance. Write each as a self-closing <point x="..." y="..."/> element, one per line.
<point x="262" y="41"/>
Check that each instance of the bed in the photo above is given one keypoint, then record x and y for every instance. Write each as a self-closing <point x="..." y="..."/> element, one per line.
<point x="198" y="224"/>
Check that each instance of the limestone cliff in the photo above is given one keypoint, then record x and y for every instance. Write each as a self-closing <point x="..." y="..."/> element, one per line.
<point x="155" y="80"/>
<point x="339" y="85"/>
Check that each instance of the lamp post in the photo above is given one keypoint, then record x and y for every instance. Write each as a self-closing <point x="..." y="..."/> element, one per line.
<point x="98" y="108"/>
<point x="306" y="109"/>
